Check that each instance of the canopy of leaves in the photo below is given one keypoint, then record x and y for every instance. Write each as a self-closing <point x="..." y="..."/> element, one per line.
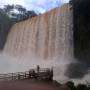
<point x="5" y="25"/>
<point x="9" y="15"/>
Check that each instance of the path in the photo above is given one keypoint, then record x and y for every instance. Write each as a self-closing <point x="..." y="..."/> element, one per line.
<point x="28" y="85"/>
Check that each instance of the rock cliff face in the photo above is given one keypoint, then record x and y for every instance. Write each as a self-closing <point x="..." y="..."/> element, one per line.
<point x="48" y="36"/>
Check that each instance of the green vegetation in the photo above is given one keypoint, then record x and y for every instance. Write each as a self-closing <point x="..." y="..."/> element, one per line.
<point x="17" y="12"/>
<point x="5" y="25"/>
<point x="9" y="15"/>
<point x="71" y="86"/>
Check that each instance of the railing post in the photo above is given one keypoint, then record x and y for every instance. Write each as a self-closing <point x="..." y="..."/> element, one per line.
<point x="18" y="76"/>
<point x="12" y="76"/>
<point x="25" y="75"/>
<point x="29" y="75"/>
<point x="51" y="76"/>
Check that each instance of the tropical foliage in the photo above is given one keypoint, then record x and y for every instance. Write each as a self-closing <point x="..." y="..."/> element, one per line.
<point x="9" y="15"/>
<point x="71" y="86"/>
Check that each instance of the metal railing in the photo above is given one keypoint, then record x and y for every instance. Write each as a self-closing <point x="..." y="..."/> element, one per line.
<point x="41" y="74"/>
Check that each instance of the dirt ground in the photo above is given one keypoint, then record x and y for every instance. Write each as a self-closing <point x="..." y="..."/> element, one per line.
<point x="29" y="85"/>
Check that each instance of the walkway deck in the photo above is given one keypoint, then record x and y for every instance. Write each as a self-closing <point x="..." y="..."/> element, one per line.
<point x="29" y="85"/>
<point x="38" y="74"/>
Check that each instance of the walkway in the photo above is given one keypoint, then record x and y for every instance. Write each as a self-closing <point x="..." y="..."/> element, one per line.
<point x="29" y="85"/>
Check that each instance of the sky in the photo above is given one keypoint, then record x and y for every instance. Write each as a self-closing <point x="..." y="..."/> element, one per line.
<point x="36" y="5"/>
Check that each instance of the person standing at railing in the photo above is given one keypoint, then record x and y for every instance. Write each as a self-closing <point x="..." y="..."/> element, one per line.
<point x="38" y="68"/>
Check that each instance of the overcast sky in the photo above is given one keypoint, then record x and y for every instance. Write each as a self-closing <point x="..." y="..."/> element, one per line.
<point x="37" y="5"/>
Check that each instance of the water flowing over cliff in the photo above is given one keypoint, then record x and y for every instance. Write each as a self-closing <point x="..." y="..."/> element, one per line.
<point x="48" y="36"/>
<point x="45" y="40"/>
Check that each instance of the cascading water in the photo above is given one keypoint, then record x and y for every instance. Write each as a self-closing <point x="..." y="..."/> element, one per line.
<point x="47" y="36"/>
<point x="45" y="40"/>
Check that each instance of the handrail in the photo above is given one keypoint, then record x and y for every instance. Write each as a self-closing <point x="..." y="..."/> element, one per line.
<point x="32" y="73"/>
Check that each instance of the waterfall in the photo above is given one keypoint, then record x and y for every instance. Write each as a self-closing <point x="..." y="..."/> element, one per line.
<point x="48" y="36"/>
<point x="45" y="40"/>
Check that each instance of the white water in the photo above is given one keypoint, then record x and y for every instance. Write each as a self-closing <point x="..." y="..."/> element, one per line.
<point x="46" y="40"/>
<point x="48" y="36"/>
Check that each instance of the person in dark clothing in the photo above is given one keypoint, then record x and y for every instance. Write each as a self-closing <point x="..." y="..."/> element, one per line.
<point x="38" y="68"/>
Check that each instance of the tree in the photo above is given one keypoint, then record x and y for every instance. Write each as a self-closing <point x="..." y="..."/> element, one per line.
<point x="5" y="25"/>
<point x="21" y="9"/>
<point x="8" y="9"/>
<point x="30" y="14"/>
<point x="8" y="16"/>
<point x="18" y="12"/>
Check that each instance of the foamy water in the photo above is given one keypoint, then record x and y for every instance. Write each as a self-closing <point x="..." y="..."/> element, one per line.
<point x="46" y="40"/>
<point x="9" y="64"/>
<point x="47" y="36"/>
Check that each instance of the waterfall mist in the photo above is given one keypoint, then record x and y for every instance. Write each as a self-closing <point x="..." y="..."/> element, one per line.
<point x="45" y="40"/>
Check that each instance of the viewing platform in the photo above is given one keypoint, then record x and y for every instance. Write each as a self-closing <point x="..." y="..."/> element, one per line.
<point x="38" y="74"/>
